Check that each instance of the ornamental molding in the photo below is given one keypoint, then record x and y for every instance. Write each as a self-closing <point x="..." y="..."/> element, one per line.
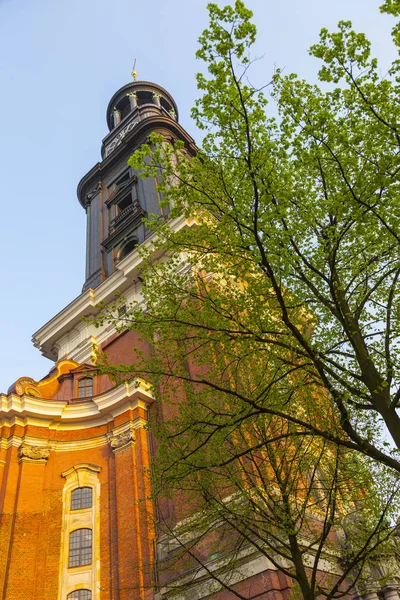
<point x="88" y="470"/>
<point x="33" y="454"/>
<point x="117" y="140"/>
<point x="58" y="414"/>
<point x="93" y="192"/>
<point x="122" y="440"/>
<point x="45" y="387"/>
<point x="87" y="304"/>
<point x="27" y="385"/>
<point x="15" y="441"/>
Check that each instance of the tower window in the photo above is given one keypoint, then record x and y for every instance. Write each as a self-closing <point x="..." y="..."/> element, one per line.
<point x="85" y="387"/>
<point x="80" y="548"/>
<point x="81" y="498"/>
<point x="119" y="183"/>
<point x="124" y="202"/>
<point x="122" y="310"/>
<point x="166" y="105"/>
<point x="124" y="107"/>
<point x="80" y="595"/>
<point x="125" y="250"/>
<point x="145" y="98"/>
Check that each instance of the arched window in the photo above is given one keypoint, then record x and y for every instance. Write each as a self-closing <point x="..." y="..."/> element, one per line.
<point x="85" y="387"/>
<point x="144" y="98"/>
<point x="80" y="548"/>
<point x="81" y="498"/>
<point x="80" y="595"/>
<point x="166" y="105"/>
<point x="124" y="107"/>
<point x="131" y="245"/>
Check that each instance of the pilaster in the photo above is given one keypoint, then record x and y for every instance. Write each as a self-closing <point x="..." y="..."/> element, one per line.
<point x="131" y="458"/>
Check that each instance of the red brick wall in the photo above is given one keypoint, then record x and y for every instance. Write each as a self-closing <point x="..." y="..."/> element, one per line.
<point x="31" y="508"/>
<point x="31" y="521"/>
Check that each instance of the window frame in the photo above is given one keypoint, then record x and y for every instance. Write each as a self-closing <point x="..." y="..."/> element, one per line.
<point x="84" y="387"/>
<point x="78" y="597"/>
<point x="122" y="252"/>
<point x="80" y="548"/>
<point x="75" y="492"/>
<point x="118" y="184"/>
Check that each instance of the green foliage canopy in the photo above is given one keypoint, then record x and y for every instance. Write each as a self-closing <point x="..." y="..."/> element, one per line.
<point x="273" y="314"/>
<point x="303" y="211"/>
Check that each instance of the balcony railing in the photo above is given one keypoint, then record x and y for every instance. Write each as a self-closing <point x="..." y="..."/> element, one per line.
<point x="132" y="210"/>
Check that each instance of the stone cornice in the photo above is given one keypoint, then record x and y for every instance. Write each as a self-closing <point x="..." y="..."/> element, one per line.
<point x="86" y="304"/>
<point x="120" y="434"/>
<point x="100" y="410"/>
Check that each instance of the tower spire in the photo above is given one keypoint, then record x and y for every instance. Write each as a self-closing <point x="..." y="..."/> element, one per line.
<point x="134" y="72"/>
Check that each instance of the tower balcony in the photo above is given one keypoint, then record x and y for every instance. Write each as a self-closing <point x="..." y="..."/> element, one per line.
<point x="130" y="213"/>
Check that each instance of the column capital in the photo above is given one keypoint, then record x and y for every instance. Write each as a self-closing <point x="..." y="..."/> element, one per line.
<point x="122" y="440"/>
<point x="33" y="454"/>
<point x="391" y="591"/>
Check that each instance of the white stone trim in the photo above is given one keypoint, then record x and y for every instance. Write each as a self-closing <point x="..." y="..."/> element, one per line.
<point x="87" y="576"/>
<point x="58" y="414"/>
<point x="55" y="446"/>
<point x="50" y="338"/>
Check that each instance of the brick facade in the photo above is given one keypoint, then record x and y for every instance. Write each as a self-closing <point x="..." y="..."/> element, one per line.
<point x="31" y="489"/>
<point x="56" y="438"/>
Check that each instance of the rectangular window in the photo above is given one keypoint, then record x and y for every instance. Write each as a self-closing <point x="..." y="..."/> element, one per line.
<point x="85" y="387"/>
<point x="118" y="183"/>
<point x="124" y="203"/>
<point x="81" y="498"/>
<point x="80" y="548"/>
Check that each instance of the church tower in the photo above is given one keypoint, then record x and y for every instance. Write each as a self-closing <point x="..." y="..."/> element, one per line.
<point x="111" y="193"/>
<point x="74" y="448"/>
<point x="76" y="519"/>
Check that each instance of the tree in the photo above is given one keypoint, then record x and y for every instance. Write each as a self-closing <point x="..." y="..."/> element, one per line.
<point x="303" y="210"/>
<point x="260" y="489"/>
<point x="278" y="302"/>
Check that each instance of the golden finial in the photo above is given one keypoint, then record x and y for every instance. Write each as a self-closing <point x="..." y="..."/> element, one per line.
<point x="134" y="72"/>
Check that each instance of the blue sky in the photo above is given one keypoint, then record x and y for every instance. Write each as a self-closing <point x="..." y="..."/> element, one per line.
<point x="60" y="63"/>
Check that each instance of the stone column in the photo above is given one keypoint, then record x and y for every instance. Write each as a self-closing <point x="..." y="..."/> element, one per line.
<point x="372" y="595"/>
<point x="129" y="577"/>
<point x="116" y="117"/>
<point x="132" y="100"/>
<point x="391" y="591"/>
<point x="156" y="98"/>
